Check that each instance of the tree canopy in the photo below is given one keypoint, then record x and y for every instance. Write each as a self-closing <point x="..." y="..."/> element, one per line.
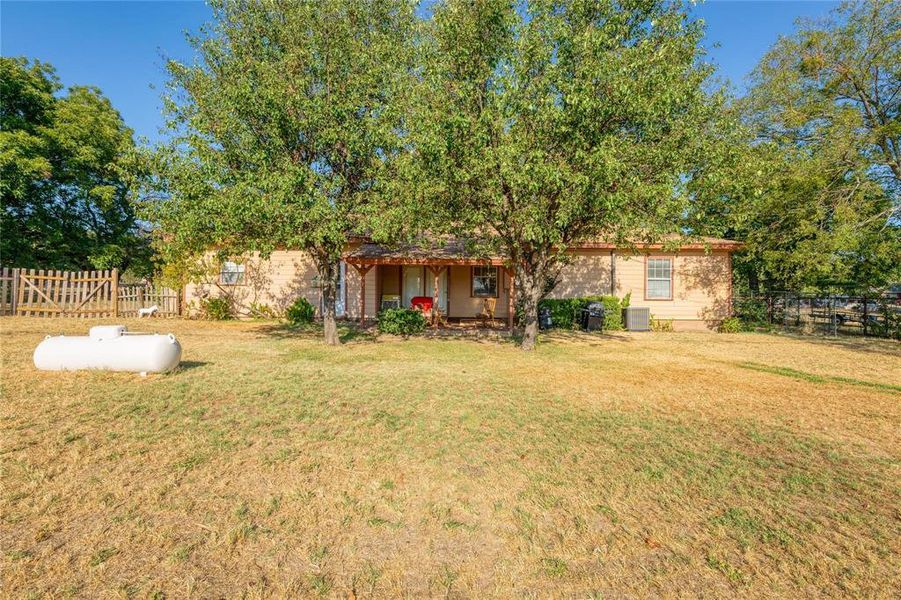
<point x="541" y="124"/>
<point x="813" y="158"/>
<point x="280" y="129"/>
<point x="62" y="185"/>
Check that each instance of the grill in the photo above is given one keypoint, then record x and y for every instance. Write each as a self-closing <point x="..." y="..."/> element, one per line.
<point x="593" y="317"/>
<point x="544" y="318"/>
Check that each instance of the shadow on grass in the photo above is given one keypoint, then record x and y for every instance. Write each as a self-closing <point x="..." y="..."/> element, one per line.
<point x="354" y="333"/>
<point x="864" y="345"/>
<point x="347" y="332"/>
<point x="187" y="365"/>
<point x="592" y="339"/>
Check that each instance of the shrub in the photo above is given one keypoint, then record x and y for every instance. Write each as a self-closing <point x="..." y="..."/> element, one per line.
<point x="663" y="325"/>
<point x="731" y="325"/>
<point x="566" y="313"/>
<point x="889" y="327"/>
<point x="301" y="312"/>
<point x="217" y="309"/>
<point x="751" y="312"/>
<point x="401" y="321"/>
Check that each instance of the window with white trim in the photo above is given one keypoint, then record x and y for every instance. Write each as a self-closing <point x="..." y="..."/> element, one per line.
<point x="659" y="283"/>
<point x="484" y="282"/>
<point x="231" y="273"/>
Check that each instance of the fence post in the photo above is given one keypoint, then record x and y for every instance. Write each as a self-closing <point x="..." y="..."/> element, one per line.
<point x="14" y="298"/>
<point x="866" y="316"/>
<point x="115" y="292"/>
<point x="785" y="296"/>
<point x="834" y="319"/>
<point x="20" y="292"/>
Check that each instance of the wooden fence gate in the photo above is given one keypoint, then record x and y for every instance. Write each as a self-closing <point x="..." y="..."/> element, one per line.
<point x="84" y="294"/>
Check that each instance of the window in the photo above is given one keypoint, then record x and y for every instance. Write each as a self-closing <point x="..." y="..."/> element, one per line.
<point x="484" y="282"/>
<point x="659" y="279"/>
<point x="231" y="273"/>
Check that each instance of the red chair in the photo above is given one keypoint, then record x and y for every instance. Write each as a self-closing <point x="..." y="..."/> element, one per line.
<point x="422" y="303"/>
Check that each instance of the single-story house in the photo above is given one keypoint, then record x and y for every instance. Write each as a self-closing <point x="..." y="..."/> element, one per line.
<point x="691" y="286"/>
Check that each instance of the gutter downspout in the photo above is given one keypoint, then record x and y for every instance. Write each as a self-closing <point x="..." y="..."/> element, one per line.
<point x="613" y="272"/>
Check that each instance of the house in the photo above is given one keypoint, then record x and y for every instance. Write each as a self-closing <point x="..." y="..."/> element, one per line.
<point x="691" y="286"/>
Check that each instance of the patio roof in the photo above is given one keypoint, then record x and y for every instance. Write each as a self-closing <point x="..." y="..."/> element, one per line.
<point x="448" y="252"/>
<point x="453" y="251"/>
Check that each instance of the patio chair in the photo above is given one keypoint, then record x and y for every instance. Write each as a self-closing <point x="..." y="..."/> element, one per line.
<point x="488" y="307"/>
<point x="423" y="304"/>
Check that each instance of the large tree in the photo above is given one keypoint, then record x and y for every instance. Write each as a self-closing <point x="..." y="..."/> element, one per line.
<point x="837" y="81"/>
<point x="543" y="123"/>
<point x="280" y="128"/>
<point x="63" y="192"/>
<point x="808" y="174"/>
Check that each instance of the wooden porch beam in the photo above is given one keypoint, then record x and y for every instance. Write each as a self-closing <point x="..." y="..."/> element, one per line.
<point x="419" y="262"/>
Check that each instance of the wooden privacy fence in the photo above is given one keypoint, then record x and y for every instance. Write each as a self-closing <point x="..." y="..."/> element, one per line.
<point x="8" y="289"/>
<point x="48" y="293"/>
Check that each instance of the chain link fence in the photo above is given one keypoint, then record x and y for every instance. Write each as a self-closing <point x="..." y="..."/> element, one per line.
<point x="824" y="314"/>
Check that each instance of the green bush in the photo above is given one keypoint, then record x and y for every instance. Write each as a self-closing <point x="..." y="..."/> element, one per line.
<point x="217" y="309"/>
<point x="731" y="325"/>
<point x="566" y="313"/>
<point x="301" y="312"/>
<point x="889" y="326"/>
<point x="401" y="321"/>
<point x="752" y="312"/>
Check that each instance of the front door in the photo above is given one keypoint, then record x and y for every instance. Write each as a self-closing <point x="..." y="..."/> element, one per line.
<point x="413" y="284"/>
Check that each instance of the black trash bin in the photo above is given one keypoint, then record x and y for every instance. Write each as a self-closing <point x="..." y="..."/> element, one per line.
<point x="593" y="317"/>
<point x="544" y="318"/>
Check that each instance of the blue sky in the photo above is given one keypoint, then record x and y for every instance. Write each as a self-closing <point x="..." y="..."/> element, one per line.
<point x="119" y="46"/>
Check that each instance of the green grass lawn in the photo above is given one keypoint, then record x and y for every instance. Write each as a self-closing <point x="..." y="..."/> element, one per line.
<point x="271" y="465"/>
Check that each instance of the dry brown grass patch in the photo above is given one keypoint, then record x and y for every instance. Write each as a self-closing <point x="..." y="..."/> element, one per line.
<point x="270" y="465"/>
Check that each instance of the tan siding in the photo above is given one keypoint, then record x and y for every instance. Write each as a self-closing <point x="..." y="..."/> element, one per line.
<point x="276" y="282"/>
<point x="588" y="274"/>
<point x="700" y="286"/>
<point x="462" y="304"/>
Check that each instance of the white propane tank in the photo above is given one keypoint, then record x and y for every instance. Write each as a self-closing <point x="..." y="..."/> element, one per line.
<point x="111" y="348"/>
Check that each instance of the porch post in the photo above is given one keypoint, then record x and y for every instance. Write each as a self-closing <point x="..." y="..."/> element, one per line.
<point x="362" y="296"/>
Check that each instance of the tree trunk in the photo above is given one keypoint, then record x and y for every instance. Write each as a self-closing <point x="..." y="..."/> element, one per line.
<point x="530" y="290"/>
<point x="329" y="271"/>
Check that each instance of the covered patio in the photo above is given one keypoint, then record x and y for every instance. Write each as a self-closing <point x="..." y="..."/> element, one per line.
<point x="466" y="290"/>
